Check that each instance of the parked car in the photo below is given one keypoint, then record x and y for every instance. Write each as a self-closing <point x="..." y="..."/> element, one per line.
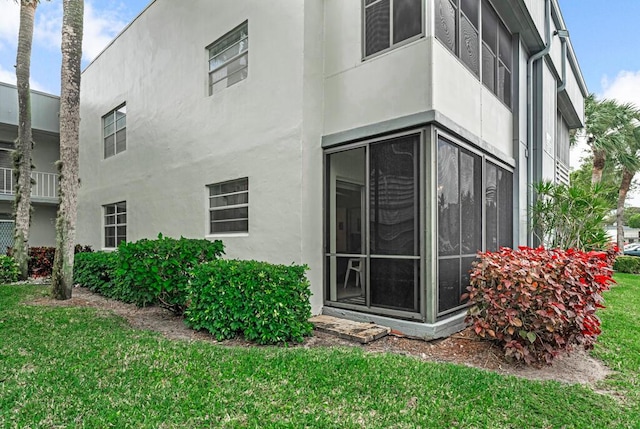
<point x="631" y="246"/>
<point x="634" y="251"/>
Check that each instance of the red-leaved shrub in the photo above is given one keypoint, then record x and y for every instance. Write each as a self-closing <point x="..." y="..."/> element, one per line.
<point x="41" y="259"/>
<point x="538" y="302"/>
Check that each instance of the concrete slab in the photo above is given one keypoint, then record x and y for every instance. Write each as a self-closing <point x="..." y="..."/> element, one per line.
<point x="348" y="329"/>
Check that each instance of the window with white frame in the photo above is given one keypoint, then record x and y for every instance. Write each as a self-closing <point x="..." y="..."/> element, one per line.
<point x="390" y="22"/>
<point x="115" y="224"/>
<point x="114" y="131"/>
<point x="229" y="58"/>
<point x="229" y="206"/>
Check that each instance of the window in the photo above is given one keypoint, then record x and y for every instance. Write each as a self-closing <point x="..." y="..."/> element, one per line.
<point x="497" y="52"/>
<point x="114" y="132"/>
<point x="390" y="22"/>
<point x="373" y="242"/>
<point x="229" y="59"/>
<point x="457" y="27"/>
<point x="562" y="150"/>
<point x="460" y="216"/>
<point x="6" y="167"/>
<point x="115" y="224"/>
<point x="229" y="206"/>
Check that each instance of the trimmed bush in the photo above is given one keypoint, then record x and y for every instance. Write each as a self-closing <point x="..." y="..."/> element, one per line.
<point x="538" y="302"/>
<point x="9" y="270"/>
<point x="95" y="271"/>
<point x="158" y="271"/>
<point x="267" y="303"/>
<point x="627" y="264"/>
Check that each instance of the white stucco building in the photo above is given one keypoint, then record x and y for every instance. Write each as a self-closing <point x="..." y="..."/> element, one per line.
<point x="45" y="110"/>
<point x="380" y="142"/>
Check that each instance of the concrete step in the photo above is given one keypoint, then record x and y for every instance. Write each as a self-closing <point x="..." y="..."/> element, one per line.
<point x="349" y="330"/>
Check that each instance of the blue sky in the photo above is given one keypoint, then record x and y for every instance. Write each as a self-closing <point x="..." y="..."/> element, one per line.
<point x="605" y="36"/>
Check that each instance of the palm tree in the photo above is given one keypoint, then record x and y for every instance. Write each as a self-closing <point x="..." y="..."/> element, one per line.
<point x="628" y="158"/>
<point x="72" y="27"/>
<point x="604" y="122"/>
<point x="24" y="143"/>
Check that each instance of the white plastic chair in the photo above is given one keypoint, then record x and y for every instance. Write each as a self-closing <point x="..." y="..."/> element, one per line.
<point x="356" y="265"/>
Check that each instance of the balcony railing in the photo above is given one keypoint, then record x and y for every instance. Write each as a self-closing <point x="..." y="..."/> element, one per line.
<point x="45" y="186"/>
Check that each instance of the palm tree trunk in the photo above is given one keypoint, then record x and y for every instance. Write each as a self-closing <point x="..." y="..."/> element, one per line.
<point x="72" y="27"/>
<point x="24" y="144"/>
<point x="625" y="183"/>
<point x="599" y="158"/>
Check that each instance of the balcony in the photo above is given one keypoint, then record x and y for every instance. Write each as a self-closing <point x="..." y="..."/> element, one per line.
<point x="44" y="190"/>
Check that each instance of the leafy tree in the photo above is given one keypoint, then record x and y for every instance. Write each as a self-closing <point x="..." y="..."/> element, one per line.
<point x="634" y="221"/>
<point x="570" y="216"/>
<point x="24" y="143"/>
<point x="609" y="182"/>
<point x="630" y="212"/>
<point x="72" y="27"/>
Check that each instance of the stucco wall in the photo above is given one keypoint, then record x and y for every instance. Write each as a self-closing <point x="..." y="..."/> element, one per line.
<point x="360" y="92"/>
<point x="461" y="96"/>
<point x="179" y="139"/>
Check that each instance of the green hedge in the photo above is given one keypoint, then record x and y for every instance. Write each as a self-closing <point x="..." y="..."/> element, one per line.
<point x="95" y="271"/>
<point x="266" y="303"/>
<point x="9" y="270"/>
<point x="627" y="264"/>
<point x="158" y="271"/>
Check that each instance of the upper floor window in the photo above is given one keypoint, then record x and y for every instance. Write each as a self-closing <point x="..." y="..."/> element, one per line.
<point x="458" y="24"/>
<point x="497" y="52"/>
<point x="229" y="206"/>
<point x="114" y="126"/>
<point x="229" y="58"/>
<point x="390" y="22"/>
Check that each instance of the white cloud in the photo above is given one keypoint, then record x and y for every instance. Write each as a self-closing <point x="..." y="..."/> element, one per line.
<point x="46" y="31"/>
<point x="625" y="87"/>
<point x="9" y="76"/>
<point x="9" y="23"/>
<point x="100" y="27"/>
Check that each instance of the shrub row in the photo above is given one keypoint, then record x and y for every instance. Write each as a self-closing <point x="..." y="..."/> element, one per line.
<point x="627" y="264"/>
<point x="266" y="303"/>
<point x="9" y="270"/>
<point x="96" y="271"/>
<point x="538" y="302"/>
<point x="158" y="271"/>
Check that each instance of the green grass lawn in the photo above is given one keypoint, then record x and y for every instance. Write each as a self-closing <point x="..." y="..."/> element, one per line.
<point x="78" y="367"/>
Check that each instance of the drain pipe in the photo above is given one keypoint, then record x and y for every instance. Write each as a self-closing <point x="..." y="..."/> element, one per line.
<point x="535" y="57"/>
<point x="563" y="35"/>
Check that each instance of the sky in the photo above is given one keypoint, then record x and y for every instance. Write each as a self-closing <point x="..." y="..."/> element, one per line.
<point x="604" y="34"/>
<point x="103" y="20"/>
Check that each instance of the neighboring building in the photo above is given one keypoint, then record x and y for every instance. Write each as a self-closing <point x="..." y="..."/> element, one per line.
<point x="380" y="142"/>
<point x="44" y="193"/>
<point x="631" y="235"/>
